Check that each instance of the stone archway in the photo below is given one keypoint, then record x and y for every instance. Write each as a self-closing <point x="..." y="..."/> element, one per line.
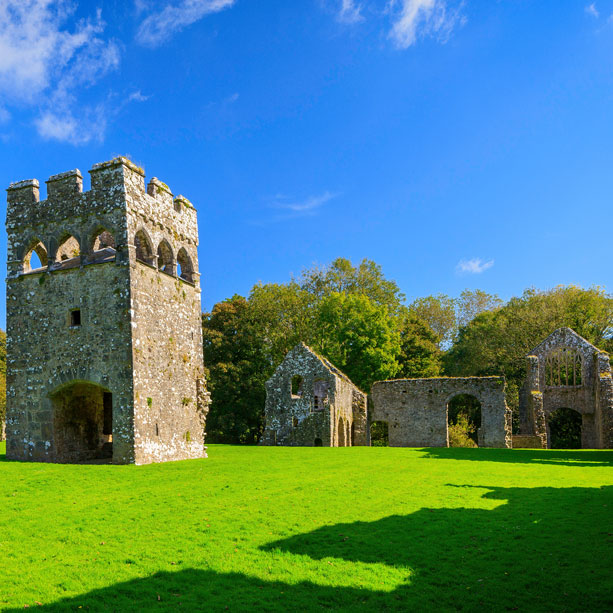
<point x="463" y="420"/>
<point x="564" y="429"/>
<point x="82" y="422"/>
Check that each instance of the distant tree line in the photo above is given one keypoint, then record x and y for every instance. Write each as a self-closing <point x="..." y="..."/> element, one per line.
<point x="360" y="321"/>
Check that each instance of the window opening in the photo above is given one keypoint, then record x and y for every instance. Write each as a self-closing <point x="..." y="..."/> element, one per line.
<point x="144" y="251"/>
<point x="75" y="318"/>
<point x="297" y="386"/>
<point x="69" y="248"/>
<point x="320" y="395"/>
<point x="563" y="368"/>
<point x="184" y="266"/>
<point x="35" y="258"/>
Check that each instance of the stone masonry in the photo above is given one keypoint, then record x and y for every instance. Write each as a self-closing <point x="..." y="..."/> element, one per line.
<point x="416" y="410"/>
<point x="566" y="371"/>
<point x="104" y="341"/>
<point x="309" y="402"/>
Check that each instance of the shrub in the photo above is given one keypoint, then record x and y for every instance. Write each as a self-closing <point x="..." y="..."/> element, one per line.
<point x="460" y="432"/>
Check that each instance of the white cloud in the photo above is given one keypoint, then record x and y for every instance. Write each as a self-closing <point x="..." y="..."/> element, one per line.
<point x="420" y="18"/>
<point x="291" y="208"/>
<point x="41" y="59"/>
<point x="4" y="115"/>
<point x="474" y="266"/>
<point x="160" y="26"/>
<point x="350" y="12"/>
<point x="591" y="9"/>
<point x="137" y="96"/>
<point x="306" y="206"/>
<point x="88" y="126"/>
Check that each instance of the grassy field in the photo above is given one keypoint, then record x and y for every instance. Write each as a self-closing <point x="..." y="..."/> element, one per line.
<point x="313" y="529"/>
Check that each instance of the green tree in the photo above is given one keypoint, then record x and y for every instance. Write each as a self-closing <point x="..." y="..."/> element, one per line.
<point x="439" y="313"/>
<point x="237" y="370"/>
<point x="419" y="354"/>
<point x="367" y="279"/>
<point x="472" y="303"/>
<point x="359" y="337"/>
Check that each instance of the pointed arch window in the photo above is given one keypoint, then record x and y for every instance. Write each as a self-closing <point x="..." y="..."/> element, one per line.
<point x="69" y="249"/>
<point x="165" y="258"/>
<point x="35" y="257"/>
<point x="103" y="246"/>
<point x="144" y="250"/>
<point x="185" y="269"/>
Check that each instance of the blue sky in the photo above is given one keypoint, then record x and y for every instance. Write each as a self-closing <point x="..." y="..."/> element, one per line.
<point x="458" y="144"/>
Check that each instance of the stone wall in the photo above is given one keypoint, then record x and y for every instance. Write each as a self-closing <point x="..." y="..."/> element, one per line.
<point x="307" y="418"/>
<point x="102" y="314"/>
<point x="416" y="410"/>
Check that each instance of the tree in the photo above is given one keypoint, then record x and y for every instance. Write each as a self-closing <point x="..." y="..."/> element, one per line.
<point x="238" y="368"/>
<point x="419" y="355"/>
<point x="358" y="336"/>
<point x="472" y="303"/>
<point x="343" y="277"/>
<point x="439" y="313"/>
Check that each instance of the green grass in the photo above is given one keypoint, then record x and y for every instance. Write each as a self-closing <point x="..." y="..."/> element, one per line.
<point x="312" y="529"/>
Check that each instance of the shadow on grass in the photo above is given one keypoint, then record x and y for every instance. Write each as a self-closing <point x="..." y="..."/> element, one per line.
<point x="557" y="457"/>
<point x="540" y="549"/>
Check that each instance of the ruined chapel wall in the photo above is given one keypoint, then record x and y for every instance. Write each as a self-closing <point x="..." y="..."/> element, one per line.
<point x="282" y="409"/>
<point x="416" y="409"/>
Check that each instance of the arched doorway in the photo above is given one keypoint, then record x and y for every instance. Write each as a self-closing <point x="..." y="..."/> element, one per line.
<point x="564" y="429"/>
<point x="318" y="443"/>
<point x="379" y="434"/>
<point x="341" y="432"/>
<point x="82" y="422"/>
<point x="463" y="420"/>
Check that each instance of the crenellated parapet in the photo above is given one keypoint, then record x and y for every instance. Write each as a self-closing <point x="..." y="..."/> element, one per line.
<point x="117" y="204"/>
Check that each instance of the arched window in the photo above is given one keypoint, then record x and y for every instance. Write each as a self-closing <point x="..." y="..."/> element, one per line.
<point x="103" y="240"/>
<point x="103" y="246"/>
<point x="296" y="386"/>
<point x="184" y="266"/>
<point x="36" y="257"/>
<point x="165" y="258"/>
<point x="144" y="250"/>
<point x="563" y="368"/>
<point x="69" y="248"/>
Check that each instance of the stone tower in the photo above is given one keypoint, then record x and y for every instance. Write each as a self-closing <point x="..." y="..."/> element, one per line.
<point x="104" y="338"/>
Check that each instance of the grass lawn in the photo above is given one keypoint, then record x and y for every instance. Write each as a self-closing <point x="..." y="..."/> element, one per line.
<point x="260" y="528"/>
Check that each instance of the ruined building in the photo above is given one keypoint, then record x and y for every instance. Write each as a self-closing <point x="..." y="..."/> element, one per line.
<point x="104" y="341"/>
<point x="567" y="373"/>
<point x="309" y="402"/>
<point x="416" y="410"/>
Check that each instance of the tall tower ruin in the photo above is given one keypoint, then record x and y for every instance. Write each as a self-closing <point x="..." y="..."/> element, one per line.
<point x="104" y="337"/>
